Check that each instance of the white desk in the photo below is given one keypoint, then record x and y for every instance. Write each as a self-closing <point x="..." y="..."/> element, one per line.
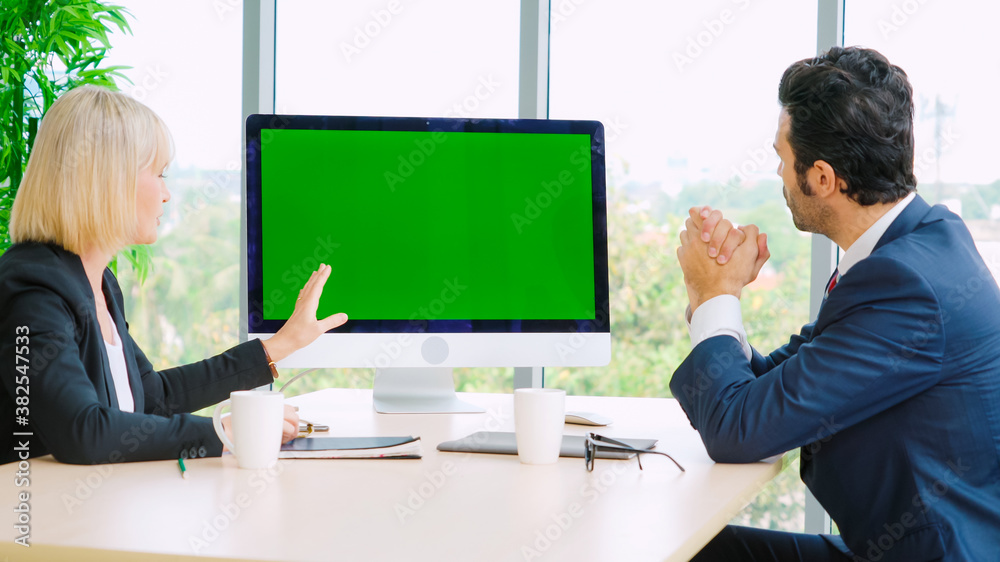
<point x="447" y="506"/>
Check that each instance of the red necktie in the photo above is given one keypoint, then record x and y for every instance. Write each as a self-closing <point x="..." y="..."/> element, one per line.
<point x="833" y="283"/>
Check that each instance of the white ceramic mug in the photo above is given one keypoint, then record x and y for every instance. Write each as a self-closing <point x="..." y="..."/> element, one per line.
<point x="257" y="425"/>
<point x="539" y="415"/>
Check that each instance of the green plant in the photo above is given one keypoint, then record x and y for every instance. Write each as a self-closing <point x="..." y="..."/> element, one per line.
<point x="48" y="47"/>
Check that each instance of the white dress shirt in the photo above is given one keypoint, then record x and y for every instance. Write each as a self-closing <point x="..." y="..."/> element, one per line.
<point x="116" y="358"/>
<point x="721" y="315"/>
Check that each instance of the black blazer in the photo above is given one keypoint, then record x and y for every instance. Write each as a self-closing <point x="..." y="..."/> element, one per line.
<point x="49" y="332"/>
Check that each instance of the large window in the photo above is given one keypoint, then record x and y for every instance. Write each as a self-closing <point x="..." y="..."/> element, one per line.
<point x="188" y="307"/>
<point x="688" y="95"/>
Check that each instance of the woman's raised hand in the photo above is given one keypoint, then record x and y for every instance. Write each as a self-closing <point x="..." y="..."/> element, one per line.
<point x="302" y="328"/>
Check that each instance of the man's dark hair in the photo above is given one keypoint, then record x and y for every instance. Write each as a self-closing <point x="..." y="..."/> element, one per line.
<point x="852" y="109"/>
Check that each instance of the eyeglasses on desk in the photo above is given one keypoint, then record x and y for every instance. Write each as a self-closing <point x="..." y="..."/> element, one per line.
<point x="594" y="442"/>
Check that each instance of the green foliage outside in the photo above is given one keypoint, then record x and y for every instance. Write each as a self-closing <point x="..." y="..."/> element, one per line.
<point x="978" y="201"/>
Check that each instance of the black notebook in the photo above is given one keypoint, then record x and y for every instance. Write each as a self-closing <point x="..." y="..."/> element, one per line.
<point x="352" y="448"/>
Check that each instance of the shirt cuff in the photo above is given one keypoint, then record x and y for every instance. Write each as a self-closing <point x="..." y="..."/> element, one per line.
<point x="718" y="316"/>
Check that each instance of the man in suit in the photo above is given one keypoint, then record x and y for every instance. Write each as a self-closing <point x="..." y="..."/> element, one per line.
<point x="893" y="393"/>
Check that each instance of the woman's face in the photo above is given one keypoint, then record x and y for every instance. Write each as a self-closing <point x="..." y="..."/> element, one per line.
<point x="151" y="194"/>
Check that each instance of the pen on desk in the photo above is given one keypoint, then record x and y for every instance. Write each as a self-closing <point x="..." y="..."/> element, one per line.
<point x="180" y="463"/>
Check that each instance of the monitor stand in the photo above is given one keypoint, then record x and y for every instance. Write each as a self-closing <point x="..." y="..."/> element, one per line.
<point x="418" y="391"/>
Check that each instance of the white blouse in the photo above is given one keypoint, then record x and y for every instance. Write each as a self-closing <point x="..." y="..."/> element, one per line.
<point x="116" y="357"/>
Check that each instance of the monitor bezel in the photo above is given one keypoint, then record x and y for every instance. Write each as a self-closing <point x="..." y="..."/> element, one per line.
<point x="257" y="126"/>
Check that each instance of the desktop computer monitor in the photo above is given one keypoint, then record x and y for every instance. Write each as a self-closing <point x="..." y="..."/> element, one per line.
<point x="452" y="242"/>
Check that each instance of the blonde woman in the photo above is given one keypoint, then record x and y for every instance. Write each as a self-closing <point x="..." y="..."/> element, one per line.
<point x="72" y="375"/>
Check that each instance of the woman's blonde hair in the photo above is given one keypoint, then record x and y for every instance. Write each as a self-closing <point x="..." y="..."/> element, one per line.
<point x="79" y="188"/>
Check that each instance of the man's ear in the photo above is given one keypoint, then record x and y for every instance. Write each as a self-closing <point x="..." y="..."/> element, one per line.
<point x="823" y="180"/>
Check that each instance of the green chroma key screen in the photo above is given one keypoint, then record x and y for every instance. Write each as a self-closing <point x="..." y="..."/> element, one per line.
<point x="429" y="225"/>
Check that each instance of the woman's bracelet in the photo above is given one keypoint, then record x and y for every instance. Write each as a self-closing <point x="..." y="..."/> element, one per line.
<point x="274" y="368"/>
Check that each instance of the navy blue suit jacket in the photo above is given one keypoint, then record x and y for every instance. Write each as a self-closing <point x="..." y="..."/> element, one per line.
<point x="47" y="318"/>
<point x="893" y="395"/>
